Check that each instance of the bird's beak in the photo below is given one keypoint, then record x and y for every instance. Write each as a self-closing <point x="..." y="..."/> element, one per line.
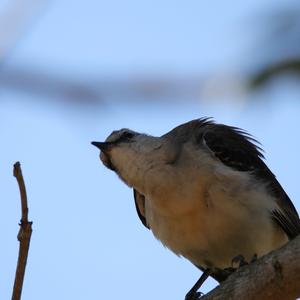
<point x="103" y="146"/>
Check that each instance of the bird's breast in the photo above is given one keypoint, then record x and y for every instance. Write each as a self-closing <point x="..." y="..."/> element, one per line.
<point x="210" y="218"/>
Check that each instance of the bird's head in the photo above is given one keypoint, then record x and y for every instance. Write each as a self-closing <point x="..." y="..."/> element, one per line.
<point x="130" y="153"/>
<point x="115" y="141"/>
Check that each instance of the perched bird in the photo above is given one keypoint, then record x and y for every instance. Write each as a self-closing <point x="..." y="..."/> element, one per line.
<point x="205" y="193"/>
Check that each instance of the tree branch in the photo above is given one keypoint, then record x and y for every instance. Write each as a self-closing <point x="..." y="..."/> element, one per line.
<point x="23" y="235"/>
<point x="263" y="76"/>
<point x="275" y="276"/>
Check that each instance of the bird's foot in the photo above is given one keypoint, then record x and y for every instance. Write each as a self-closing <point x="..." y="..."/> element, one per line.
<point x="238" y="261"/>
<point x="193" y="296"/>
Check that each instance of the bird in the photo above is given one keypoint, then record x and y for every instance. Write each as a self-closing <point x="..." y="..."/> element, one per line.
<point x="205" y="192"/>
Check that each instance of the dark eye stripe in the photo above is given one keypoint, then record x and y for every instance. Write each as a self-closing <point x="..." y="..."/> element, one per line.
<point x="128" y="135"/>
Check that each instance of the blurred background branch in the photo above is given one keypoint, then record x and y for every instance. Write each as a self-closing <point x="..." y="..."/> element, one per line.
<point x="276" y="53"/>
<point x="289" y="67"/>
<point x="16" y="17"/>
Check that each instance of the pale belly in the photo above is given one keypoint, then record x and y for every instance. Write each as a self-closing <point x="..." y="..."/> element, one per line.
<point x="209" y="213"/>
<point x="212" y="228"/>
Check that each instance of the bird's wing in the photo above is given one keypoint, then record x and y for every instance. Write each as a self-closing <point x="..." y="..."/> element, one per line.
<point x="237" y="149"/>
<point x="139" y="200"/>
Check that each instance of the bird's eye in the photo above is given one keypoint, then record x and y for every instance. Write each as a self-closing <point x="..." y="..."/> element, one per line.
<point x="127" y="135"/>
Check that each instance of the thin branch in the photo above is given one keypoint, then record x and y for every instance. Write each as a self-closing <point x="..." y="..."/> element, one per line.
<point x="23" y="235"/>
<point x="275" y="276"/>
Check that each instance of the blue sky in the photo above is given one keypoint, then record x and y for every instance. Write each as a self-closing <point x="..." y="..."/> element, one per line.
<point x="88" y="242"/>
<point x="126" y="36"/>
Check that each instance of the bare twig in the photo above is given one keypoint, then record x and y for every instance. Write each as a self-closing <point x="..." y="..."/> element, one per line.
<point x="275" y="276"/>
<point x="23" y="235"/>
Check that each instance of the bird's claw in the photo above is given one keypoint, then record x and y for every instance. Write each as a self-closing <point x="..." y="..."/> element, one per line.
<point x="239" y="261"/>
<point x="193" y="296"/>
